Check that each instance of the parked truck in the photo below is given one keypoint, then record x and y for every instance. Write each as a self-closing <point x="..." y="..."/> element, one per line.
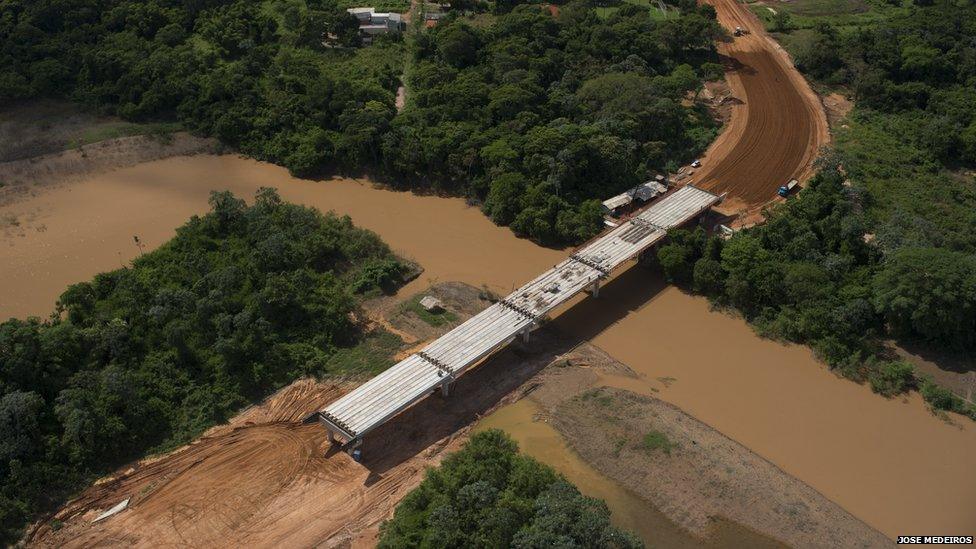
<point x="785" y="190"/>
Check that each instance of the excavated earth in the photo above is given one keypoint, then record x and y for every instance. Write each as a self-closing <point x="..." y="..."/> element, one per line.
<point x="778" y="123"/>
<point x="269" y="479"/>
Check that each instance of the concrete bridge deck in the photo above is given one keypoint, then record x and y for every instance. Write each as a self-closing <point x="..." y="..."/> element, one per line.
<point x="442" y="361"/>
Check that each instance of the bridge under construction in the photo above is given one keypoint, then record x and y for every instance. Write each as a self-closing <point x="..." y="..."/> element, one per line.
<point x="437" y="365"/>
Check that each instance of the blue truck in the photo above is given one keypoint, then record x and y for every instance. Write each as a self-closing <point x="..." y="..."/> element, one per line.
<point x="785" y="190"/>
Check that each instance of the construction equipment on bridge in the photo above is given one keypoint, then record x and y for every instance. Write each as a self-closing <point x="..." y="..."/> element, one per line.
<point x="438" y="364"/>
<point x="639" y="194"/>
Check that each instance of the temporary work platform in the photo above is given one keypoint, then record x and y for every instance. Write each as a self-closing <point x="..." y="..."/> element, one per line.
<point x="442" y="361"/>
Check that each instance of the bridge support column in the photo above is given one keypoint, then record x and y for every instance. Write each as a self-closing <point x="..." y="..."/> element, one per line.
<point x="446" y="389"/>
<point x="595" y="291"/>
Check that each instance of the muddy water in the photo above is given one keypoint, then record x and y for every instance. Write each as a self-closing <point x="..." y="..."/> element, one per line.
<point x="541" y="441"/>
<point x="68" y="234"/>
<point x="889" y="462"/>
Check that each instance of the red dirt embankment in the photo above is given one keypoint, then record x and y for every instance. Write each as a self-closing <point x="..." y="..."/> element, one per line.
<point x="266" y="479"/>
<point x="778" y="123"/>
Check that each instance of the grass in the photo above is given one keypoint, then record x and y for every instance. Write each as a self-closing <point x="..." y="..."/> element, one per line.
<point x="618" y="445"/>
<point x="436" y="320"/>
<point x="601" y="398"/>
<point x="400" y="6"/>
<point x="656" y="13"/>
<point x="115" y="130"/>
<point x="656" y="440"/>
<point x="371" y="356"/>
<point x="912" y="196"/>
<point x="805" y="14"/>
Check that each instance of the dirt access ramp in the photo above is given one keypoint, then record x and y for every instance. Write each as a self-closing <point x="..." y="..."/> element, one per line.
<point x="778" y="123"/>
<point x="267" y="479"/>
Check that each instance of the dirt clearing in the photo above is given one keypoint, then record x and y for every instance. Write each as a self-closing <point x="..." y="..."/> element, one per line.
<point x="266" y="478"/>
<point x="778" y="123"/>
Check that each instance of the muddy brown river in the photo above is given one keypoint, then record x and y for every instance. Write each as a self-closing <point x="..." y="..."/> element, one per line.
<point x="541" y="441"/>
<point x="891" y="463"/>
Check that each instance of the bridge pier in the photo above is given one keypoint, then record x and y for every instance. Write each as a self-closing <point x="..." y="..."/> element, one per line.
<point x="357" y="413"/>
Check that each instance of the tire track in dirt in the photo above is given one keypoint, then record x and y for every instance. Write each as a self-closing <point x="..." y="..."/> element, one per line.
<point x="777" y="127"/>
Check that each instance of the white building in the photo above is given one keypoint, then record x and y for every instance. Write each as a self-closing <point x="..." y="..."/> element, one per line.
<point x="643" y="193"/>
<point x="373" y="23"/>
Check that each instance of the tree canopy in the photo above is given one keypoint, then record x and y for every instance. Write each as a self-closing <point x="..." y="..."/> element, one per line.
<point x="259" y="76"/>
<point x="489" y="495"/>
<point x="533" y="115"/>
<point x="243" y="300"/>
<point x="538" y="117"/>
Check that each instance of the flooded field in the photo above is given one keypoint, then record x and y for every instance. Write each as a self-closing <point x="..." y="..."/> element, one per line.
<point x="891" y="463"/>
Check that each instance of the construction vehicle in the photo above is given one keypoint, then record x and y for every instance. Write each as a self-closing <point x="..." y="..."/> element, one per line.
<point x="785" y="190"/>
<point x="739" y="31"/>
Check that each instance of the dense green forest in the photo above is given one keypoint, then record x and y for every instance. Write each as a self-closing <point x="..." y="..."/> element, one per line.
<point x="239" y="303"/>
<point x="882" y="243"/>
<point x="255" y="74"/>
<point x="531" y="114"/>
<point x="490" y="495"/>
<point x="539" y="116"/>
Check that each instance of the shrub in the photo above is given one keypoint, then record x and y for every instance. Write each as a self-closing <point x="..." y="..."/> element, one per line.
<point x="656" y="440"/>
<point x="892" y="378"/>
<point x="489" y="495"/>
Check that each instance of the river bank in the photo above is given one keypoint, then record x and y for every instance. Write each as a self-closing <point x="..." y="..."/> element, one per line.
<point x="68" y="233"/>
<point x="196" y="495"/>
<point x="711" y="490"/>
<point x="870" y="455"/>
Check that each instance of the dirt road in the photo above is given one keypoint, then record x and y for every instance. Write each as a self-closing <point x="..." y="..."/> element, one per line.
<point x="778" y="123"/>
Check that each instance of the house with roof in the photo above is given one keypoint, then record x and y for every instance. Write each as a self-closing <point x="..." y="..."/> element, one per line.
<point x="373" y="23"/>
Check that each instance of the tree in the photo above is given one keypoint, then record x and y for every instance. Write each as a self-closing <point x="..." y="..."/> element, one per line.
<point x="503" y="202"/>
<point x="241" y="301"/>
<point x="893" y="378"/>
<point x="968" y="142"/>
<point x="20" y="425"/>
<point x="489" y="495"/>
<point x="929" y="293"/>
<point x="458" y="44"/>
<point x="782" y="22"/>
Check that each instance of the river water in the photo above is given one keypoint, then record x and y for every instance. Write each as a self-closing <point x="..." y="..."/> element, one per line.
<point x="891" y="463"/>
<point x="541" y="441"/>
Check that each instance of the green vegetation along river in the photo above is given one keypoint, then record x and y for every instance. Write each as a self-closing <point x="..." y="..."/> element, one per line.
<point x="891" y="463"/>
